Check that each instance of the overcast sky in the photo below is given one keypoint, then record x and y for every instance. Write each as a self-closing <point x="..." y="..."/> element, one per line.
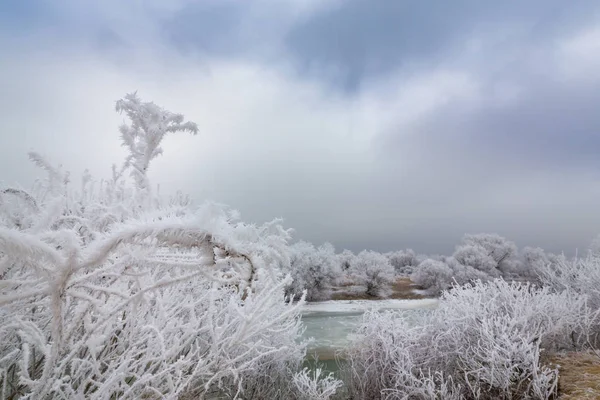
<point x="370" y="124"/>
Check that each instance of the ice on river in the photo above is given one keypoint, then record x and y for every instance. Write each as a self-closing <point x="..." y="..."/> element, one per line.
<point x="331" y="323"/>
<point x="353" y="306"/>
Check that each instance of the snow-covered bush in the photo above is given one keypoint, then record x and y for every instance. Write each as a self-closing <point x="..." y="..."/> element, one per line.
<point x="315" y="384"/>
<point x="441" y="274"/>
<point x="346" y="259"/>
<point x="111" y="292"/>
<point x="403" y="261"/>
<point x="313" y="269"/>
<point x="433" y="274"/>
<point x="489" y="253"/>
<point x="533" y="261"/>
<point x="496" y="246"/>
<point x="485" y="341"/>
<point x="462" y="274"/>
<point x="580" y="275"/>
<point x="374" y="271"/>
<point x="478" y="257"/>
<point x="385" y="361"/>
<point x="594" y="248"/>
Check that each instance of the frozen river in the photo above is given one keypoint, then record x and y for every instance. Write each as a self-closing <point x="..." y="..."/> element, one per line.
<point x="331" y="323"/>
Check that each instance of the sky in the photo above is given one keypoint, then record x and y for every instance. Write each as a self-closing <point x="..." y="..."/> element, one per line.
<point x="381" y="124"/>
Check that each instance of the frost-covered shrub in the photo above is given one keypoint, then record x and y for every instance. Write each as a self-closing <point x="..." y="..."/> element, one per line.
<point x="374" y="271"/>
<point x="438" y="275"/>
<point x="346" y="259"/>
<point x="462" y="274"/>
<point x="594" y="248"/>
<point x="579" y="274"/>
<point x="313" y="269"/>
<point x="489" y="253"/>
<point x="496" y="246"/>
<point x="434" y="275"/>
<point x="403" y="261"/>
<point x="533" y="260"/>
<point x="385" y="361"/>
<point x="478" y="257"/>
<point x="485" y="341"/>
<point x="111" y="292"/>
<point x="315" y="384"/>
<point x="160" y="307"/>
<point x="170" y="334"/>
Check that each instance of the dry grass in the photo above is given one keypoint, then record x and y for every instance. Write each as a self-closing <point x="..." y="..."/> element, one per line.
<point x="403" y="288"/>
<point x="343" y="295"/>
<point x="579" y="376"/>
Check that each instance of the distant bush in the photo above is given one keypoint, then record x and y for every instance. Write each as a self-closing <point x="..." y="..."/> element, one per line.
<point x="480" y="257"/>
<point x="315" y="270"/>
<point x="533" y="261"/>
<point x="374" y="271"/>
<point x="346" y="259"/>
<point x="499" y="249"/>
<point x="403" y="261"/>
<point x="434" y="275"/>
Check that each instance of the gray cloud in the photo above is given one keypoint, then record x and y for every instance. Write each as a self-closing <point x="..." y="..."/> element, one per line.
<point x="478" y="119"/>
<point x="209" y="27"/>
<point x="362" y="38"/>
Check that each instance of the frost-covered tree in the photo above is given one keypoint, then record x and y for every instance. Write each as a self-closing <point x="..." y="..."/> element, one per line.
<point x="403" y="261"/>
<point x="374" y="271"/>
<point x="498" y="248"/>
<point x="477" y="257"/>
<point x="441" y="274"/>
<point x="463" y="274"/>
<point x="313" y="269"/>
<point x="433" y="274"/>
<point x="346" y="259"/>
<point x="533" y="259"/>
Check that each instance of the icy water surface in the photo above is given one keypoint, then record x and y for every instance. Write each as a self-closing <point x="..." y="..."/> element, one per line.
<point x="331" y="323"/>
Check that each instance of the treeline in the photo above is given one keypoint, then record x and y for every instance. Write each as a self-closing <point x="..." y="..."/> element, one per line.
<point x="478" y="257"/>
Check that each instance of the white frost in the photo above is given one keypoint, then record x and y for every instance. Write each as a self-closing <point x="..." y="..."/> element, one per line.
<point x="352" y="306"/>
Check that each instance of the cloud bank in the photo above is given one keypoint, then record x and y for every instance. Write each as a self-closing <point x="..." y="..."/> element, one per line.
<point x="379" y="125"/>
